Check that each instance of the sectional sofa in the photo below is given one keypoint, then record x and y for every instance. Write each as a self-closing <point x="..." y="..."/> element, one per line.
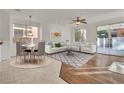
<point x="87" y="48"/>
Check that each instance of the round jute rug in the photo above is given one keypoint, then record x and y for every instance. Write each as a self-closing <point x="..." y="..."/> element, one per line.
<point x="34" y="64"/>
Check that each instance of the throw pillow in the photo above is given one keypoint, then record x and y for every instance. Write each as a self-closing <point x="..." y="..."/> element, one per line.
<point x="58" y="45"/>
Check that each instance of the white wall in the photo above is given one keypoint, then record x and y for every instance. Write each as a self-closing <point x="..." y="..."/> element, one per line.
<point x="49" y="28"/>
<point x="46" y="32"/>
<point x="91" y="33"/>
<point x="65" y="31"/>
<point x="5" y="35"/>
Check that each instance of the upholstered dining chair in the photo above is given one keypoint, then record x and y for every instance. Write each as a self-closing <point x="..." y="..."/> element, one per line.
<point x="40" y="52"/>
<point x="20" y="51"/>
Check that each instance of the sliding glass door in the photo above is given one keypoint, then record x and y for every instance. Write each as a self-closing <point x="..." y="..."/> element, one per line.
<point x="110" y="39"/>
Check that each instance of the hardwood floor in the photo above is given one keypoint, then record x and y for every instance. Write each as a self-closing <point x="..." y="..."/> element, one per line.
<point x="93" y="72"/>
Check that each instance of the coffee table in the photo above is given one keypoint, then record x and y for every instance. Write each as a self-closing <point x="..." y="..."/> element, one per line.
<point x="69" y="50"/>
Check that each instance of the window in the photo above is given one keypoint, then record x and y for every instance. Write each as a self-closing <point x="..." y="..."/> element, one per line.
<point x="80" y="35"/>
<point x="111" y="36"/>
<point x="21" y="31"/>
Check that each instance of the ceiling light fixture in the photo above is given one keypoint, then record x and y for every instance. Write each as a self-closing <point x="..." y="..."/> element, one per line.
<point x="29" y="32"/>
<point x="78" y="21"/>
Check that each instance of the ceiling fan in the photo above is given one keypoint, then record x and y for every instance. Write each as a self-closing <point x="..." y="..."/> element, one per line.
<point x="78" y="21"/>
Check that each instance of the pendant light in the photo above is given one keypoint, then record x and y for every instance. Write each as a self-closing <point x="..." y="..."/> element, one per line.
<point x="29" y="32"/>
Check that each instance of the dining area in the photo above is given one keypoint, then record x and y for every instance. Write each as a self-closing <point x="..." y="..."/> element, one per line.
<point x="30" y="52"/>
<point x="29" y="55"/>
<point x="30" y="49"/>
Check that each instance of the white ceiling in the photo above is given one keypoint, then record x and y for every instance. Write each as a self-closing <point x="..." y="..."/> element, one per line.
<point x="60" y="15"/>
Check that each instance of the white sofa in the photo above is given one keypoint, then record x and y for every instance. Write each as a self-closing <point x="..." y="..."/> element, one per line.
<point x="86" y="47"/>
<point x="91" y="48"/>
<point x="50" y="50"/>
<point x="50" y="47"/>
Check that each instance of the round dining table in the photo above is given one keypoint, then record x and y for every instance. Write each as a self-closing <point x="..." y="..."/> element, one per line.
<point x="29" y="46"/>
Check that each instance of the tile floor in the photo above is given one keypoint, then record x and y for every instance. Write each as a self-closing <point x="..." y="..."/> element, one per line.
<point x="110" y="51"/>
<point x="43" y="75"/>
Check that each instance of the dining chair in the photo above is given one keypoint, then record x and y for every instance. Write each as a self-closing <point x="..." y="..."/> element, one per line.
<point x="40" y="52"/>
<point x="20" y="51"/>
<point x="28" y="52"/>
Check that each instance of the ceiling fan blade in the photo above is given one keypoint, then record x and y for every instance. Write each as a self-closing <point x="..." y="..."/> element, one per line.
<point x="84" y="22"/>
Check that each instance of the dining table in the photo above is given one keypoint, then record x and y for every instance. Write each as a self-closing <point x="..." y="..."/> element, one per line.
<point x="29" y="46"/>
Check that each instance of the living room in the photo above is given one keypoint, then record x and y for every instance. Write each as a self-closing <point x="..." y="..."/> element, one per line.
<point x="71" y="49"/>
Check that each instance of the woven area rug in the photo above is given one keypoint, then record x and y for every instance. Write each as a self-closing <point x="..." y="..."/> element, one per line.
<point x="76" y="60"/>
<point x="18" y="64"/>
